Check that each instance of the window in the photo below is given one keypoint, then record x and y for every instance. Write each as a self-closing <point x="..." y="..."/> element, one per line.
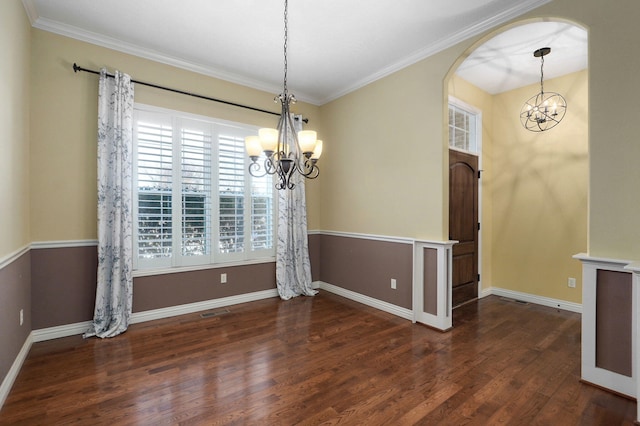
<point x="464" y="124"/>
<point x="195" y="200"/>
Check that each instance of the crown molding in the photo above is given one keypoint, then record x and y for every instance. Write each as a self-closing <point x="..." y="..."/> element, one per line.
<point x="132" y="49"/>
<point x="440" y="45"/>
<point x="32" y="11"/>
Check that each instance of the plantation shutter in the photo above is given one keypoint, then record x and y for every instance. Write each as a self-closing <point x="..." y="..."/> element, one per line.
<point x="262" y="213"/>
<point x="154" y="183"/>
<point x="196" y="189"/>
<point x="231" y="183"/>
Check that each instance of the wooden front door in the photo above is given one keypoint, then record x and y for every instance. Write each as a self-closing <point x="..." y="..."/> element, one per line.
<point x="463" y="224"/>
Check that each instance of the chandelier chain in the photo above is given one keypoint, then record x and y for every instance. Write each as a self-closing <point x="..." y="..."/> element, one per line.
<point x="284" y="155"/>
<point x="286" y="36"/>
<point x="541" y="74"/>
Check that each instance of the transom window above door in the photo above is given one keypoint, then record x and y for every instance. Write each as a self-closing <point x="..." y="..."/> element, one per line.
<point x="464" y="126"/>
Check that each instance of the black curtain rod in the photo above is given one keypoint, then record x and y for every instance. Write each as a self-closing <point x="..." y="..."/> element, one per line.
<point x="77" y="68"/>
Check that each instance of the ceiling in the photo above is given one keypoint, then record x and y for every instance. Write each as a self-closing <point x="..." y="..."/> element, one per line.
<point x="335" y="46"/>
<point x="506" y="61"/>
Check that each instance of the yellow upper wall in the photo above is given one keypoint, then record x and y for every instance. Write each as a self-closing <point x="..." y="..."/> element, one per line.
<point x="392" y="132"/>
<point x="539" y="193"/>
<point x="384" y="171"/>
<point x="15" y="42"/>
<point x="64" y="126"/>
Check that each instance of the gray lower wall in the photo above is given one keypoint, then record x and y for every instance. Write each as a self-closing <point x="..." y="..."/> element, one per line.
<point x="63" y="280"/>
<point x="15" y="294"/>
<point x="614" y="321"/>
<point x="63" y="285"/>
<point x="163" y="291"/>
<point x="366" y="266"/>
<point x="56" y="286"/>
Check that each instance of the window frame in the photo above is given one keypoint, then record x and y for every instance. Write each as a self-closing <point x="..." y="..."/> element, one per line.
<point x="475" y="128"/>
<point x="177" y="261"/>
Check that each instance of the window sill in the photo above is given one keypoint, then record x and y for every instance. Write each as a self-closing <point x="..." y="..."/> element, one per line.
<point x="173" y="270"/>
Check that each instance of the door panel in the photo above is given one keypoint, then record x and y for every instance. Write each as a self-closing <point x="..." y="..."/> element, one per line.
<point x="463" y="224"/>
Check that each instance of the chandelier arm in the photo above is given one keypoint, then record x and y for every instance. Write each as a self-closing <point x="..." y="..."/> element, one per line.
<point x="255" y="168"/>
<point x="269" y="166"/>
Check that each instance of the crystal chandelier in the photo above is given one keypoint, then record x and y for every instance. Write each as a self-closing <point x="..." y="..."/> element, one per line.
<point x="286" y="152"/>
<point x="546" y="109"/>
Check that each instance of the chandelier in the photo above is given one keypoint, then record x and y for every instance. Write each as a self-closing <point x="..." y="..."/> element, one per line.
<point x="546" y="109"/>
<point x="285" y="151"/>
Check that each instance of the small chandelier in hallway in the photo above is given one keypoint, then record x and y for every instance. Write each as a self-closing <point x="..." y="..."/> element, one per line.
<point x="546" y="109"/>
<point x="286" y="152"/>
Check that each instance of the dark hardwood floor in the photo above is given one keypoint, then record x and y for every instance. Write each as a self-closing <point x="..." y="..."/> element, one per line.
<point x="320" y="360"/>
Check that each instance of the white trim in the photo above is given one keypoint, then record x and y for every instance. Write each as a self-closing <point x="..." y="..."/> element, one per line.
<point x="602" y="261"/>
<point x="635" y="367"/>
<point x="189" y="308"/>
<point x="130" y="48"/>
<point x="63" y="244"/>
<point x="436" y="244"/>
<point x="477" y="112"/>
<point x="50" y="333"/>
<point x="590" y="372"/>
<point x="176" y="269"/>
<point x="369" y="301"/>
<point x="633" y="267"/>
<point x="153" y="55"/>
<point x="442" y="320"/>
<point x="138" y="317"/>
<point x="386" y="238"/>
<point x="439" y="46"/>
<point x="538" y="300"/>
<point x="12" y="257"/>
<point x="11" y="376"/>
<point x="32" y="14"/>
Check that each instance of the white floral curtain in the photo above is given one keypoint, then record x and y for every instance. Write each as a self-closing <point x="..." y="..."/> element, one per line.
<point x="293" y="267"/>
<point x="114" y="292"/>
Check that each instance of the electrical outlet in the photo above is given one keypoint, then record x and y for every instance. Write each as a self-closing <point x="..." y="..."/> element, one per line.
<point x="223" y="278"/>
<point x="571" y="282"/>
<point x="393" y="283"/>
<point x="21" y="316"/>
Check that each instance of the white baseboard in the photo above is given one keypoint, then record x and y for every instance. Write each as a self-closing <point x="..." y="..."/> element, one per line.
<point x="11" y="376"/>
<point x="81" y="327"/>
<point x="57" y="332"/>
<point x="538" y="300"/>
<point x="201" y="306"/>
<point x="369" y="301"/>
<point x="484" y="293"/>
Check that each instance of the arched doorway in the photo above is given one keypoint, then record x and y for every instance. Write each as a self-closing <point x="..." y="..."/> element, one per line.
<point x="533" y="190"/>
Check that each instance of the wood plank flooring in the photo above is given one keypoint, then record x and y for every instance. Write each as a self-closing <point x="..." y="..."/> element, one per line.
<point x="320" y="360"/>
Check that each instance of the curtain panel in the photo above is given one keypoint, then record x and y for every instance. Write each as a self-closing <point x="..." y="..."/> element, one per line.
<point x="293" y="267"/>
<point x="114" y="292"/>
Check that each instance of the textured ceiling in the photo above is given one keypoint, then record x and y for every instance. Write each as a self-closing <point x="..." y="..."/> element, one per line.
<point x="335" y="46"/>
<point x="506" y="61"/>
